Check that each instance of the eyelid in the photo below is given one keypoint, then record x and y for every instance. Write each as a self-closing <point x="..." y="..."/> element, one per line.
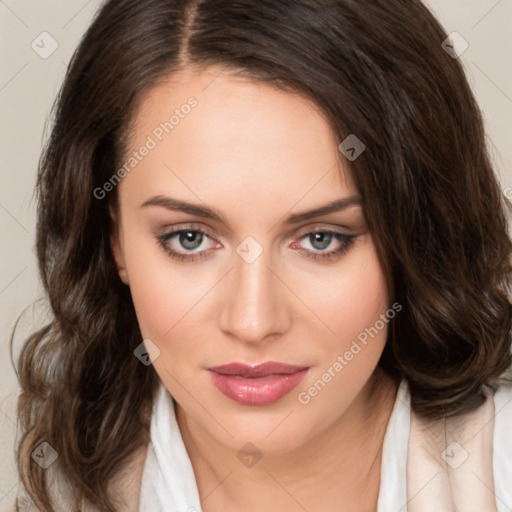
<point x="323" y="227"/>
<point x="169" y="229"/>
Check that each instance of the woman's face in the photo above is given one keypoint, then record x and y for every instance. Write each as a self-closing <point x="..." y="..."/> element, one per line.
<point x="258" y="280"/>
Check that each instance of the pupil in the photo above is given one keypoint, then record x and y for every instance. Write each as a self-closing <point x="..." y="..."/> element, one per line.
<point x="324" y="240"/>
<point x="191" y="239"/>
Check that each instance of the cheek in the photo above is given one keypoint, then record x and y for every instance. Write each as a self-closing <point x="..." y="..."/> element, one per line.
<point x="167" y="304"/>
<point x="357" y="302"/>
<point x="363" y="300"/>
<point x="163" y="292"/>
<point x="351" y="297"/>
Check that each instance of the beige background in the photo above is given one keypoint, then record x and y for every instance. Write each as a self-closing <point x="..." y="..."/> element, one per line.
<point x="29" y="83"/>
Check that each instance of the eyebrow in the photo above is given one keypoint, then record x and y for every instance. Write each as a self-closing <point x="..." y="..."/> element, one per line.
<point x="210" y="213"/>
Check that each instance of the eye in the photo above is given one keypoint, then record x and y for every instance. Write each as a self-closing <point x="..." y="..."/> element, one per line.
<point x="321" y="240"/>
<point x="186" y="244"/>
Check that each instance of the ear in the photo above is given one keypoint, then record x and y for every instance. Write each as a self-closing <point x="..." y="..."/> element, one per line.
<point x="116" y="245"/>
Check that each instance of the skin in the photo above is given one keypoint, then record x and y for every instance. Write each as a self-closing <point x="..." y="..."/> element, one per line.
<point x="256" y="155"/>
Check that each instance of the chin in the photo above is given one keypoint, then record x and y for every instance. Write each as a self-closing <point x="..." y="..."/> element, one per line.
<point x="272" y="433"/>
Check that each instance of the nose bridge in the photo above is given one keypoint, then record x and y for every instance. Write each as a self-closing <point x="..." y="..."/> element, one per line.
<point x="255" y="307"/>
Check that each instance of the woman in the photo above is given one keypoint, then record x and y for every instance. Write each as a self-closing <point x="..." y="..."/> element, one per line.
<point x="277" y="258"/>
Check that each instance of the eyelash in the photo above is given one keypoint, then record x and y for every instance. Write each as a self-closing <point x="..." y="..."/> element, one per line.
<point x="346" y="243"/>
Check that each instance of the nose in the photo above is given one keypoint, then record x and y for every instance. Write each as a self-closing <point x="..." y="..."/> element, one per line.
<point x="255" y="307"/>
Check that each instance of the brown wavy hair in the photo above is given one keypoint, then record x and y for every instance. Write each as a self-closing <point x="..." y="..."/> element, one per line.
<point x="376" y="69"/>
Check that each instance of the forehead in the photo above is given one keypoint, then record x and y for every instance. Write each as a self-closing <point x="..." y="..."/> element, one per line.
<point x="212" y="133"/>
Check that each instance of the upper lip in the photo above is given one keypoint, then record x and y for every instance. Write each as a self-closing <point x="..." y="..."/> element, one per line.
<point x="258" y="370"/>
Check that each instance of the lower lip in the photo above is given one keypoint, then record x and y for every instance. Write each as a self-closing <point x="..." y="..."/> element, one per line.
<point x="258" y="391"/>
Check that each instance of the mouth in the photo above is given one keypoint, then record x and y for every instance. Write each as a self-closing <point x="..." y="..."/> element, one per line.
<point x="260" y="384"/>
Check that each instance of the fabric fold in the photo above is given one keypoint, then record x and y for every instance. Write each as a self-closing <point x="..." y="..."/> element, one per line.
<point x="168" y="480"/>
<point x="393" y="473"/>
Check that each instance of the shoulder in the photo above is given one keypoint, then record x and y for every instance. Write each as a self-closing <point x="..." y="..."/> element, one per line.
<point x="501" y="392"/>
<point x="467" y="459"/>
<point x="502" y="445"/>
<point x="125" y="487"/>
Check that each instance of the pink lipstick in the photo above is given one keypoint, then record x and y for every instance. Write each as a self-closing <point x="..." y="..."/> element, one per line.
<point x="261" y="384"/>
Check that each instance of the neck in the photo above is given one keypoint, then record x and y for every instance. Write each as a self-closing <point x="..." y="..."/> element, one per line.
<point x="339" y="467"/>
